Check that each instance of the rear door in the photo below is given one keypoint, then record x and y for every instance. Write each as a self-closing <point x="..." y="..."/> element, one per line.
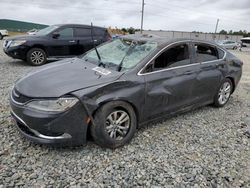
<point x="170" y="79"/>
<point x="212" y="66"/>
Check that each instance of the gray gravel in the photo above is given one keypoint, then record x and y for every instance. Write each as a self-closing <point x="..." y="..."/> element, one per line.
<point x="208" y="147"/>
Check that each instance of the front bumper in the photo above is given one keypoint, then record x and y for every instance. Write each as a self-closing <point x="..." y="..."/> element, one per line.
<point x="17" y="52"/>
<point x="65" y="129"/>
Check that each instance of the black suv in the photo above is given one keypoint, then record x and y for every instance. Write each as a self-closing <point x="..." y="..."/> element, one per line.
<point x="55" y="42"/>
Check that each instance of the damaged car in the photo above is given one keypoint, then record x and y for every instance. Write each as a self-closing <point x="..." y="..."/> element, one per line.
<point x="111" y="90"/>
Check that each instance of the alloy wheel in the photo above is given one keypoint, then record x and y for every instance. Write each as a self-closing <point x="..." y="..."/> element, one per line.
<point x="37" y="57"/>
<point x="117" y="124"/>
<point x="224" y="93"/>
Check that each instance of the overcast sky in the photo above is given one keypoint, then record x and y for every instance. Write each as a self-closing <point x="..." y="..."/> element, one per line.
<point x="188" y="15"/>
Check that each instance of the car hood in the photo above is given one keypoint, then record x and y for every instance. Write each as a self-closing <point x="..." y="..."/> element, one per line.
<point x="63" y="77"/>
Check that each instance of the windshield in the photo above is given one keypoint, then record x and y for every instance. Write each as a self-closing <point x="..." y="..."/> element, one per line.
<point x="46" y="30"/>
<point x="120" y="52"/>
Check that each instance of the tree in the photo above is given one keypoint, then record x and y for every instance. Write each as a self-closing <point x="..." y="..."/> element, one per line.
<point x="131" y="30"/>
<point x="223" y="32"/>
<point x="124" y="30"/>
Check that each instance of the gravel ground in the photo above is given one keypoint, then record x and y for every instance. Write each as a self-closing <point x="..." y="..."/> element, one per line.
<point x="207" y="147"/>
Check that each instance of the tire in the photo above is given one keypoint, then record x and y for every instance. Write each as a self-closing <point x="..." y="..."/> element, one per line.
<point x="36" y="57"/>
<point x="235" y="48"/>
<point x="103" y="127"/>
<point x="1" y="36"/>
<point x="223" y="93"/>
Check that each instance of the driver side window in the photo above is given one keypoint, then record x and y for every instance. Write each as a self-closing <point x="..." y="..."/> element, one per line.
<point x="175" y="56"/>
<point x="66" y="33"/>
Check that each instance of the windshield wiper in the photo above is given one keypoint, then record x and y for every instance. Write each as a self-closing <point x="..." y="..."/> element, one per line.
<point x="97" y="53"/>
<point x="132" y="45"/>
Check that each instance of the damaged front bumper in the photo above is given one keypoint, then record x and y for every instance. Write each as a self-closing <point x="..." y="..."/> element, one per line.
<point x="64" y="129"/>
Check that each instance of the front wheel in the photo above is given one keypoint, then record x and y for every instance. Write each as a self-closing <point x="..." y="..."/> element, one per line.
<point x="36" y="56"/>
<point x="115" y="124"/>
<point x="224" y="93"/>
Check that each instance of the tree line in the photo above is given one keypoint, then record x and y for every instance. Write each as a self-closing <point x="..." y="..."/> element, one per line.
<point x="240" y="32"/>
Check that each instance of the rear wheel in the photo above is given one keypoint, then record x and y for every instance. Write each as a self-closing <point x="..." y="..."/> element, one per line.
<point x="224" y="93"/>
<point x="1" y="36"/>
<point x="115" y="124"/>
<point x="36" y="56"/>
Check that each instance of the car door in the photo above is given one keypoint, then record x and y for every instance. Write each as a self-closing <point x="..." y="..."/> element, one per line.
<point x="212" y="66"/>
<point x="62" y="42"/>
<point x="170" y="79"/>
<point x="83" y="39"/>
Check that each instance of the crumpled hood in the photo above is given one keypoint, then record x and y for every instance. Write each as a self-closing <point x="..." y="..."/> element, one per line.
<point x="63" y="77"/>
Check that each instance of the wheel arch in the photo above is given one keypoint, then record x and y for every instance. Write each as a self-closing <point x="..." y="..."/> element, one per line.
<point x="117" y="100"/>
<point x="38" y="46"/>
<point x="233" y="82"/>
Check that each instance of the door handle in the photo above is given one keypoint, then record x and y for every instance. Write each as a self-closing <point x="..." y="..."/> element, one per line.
<point x="72" y="41"/>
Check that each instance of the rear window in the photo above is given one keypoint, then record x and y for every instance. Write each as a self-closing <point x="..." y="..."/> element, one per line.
<point x="205" y="53"/>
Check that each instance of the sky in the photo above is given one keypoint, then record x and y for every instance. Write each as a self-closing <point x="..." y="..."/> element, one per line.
<point x="179" y="15"/>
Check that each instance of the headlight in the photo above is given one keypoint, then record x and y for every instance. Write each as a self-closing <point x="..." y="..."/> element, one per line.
<point x="56" y="105"/>
<point x="17" y="43"/>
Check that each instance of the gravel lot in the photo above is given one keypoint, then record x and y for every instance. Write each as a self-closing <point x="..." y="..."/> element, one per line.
<point x="207" y="147"/>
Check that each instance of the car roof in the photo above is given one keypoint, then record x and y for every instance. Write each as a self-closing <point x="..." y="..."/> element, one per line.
<point x="78" y="25"/>
<point x="161" y="41"/>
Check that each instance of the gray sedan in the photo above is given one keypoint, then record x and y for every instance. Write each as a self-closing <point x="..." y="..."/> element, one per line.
<point x="110" y="91"/>
<point x="228" y="44"/>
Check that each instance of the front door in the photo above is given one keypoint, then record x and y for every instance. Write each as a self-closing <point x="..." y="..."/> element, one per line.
<point x="63" y="44"/>
<point x="170" y="80"/>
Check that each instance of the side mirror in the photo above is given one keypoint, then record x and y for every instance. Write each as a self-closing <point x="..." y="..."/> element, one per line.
<point x="55" y="35"/>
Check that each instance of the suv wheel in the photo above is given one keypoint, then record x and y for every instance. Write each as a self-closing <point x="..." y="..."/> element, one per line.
<point x="115" y="124"/>
<point x="36" y="56"/>
<point x="224" y="93"/>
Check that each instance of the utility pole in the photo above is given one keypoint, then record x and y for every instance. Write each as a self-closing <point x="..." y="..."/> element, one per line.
<point x="217" y="23"/>
<point x="142" y="14"/>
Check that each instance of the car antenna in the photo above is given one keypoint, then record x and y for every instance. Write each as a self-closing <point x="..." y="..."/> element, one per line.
<point x="97" y="53"/>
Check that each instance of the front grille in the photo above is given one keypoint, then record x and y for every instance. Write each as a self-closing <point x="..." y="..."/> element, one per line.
<point x="20" y="98"/>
